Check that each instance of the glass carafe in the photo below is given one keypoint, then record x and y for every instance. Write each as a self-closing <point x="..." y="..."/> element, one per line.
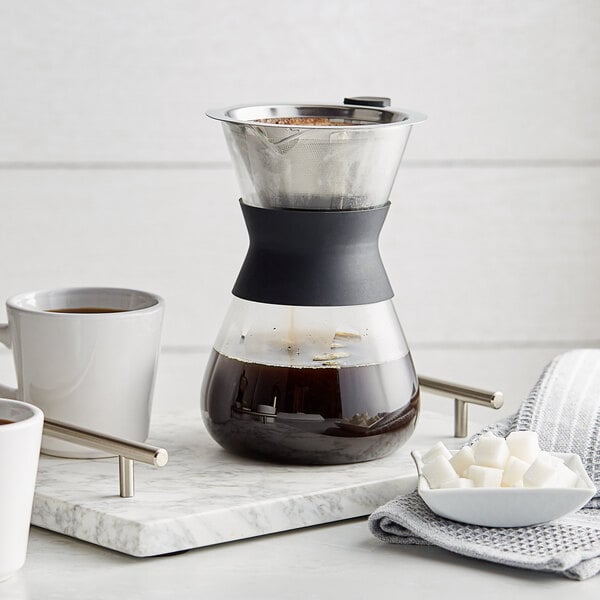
<point x="311" y="365"/>
<point x="311" y="384"/>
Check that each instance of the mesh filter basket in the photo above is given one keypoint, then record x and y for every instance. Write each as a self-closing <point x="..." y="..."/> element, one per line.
<point x="348" y="164"/>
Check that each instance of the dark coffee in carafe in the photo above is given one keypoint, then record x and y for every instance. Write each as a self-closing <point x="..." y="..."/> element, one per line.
<point x="320" y="415"/>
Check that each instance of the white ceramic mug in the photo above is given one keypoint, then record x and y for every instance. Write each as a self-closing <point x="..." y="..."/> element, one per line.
<point x="19" y="453"/>
<point x="94" y="370"/>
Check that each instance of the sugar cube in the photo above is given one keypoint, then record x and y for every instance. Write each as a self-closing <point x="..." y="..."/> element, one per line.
<point x="438" y="471"/>
<point x="462" y="460"/>
<point x="461" y="482"/>
<point x="491" y="451"/>
<point x="484" y="476"/>
<point x="438" y="450"/>
<point x="524" y="445"/>
<point x="565" y="477"/>
<point x="513" y="472"/>
<point x="542" y="472"/>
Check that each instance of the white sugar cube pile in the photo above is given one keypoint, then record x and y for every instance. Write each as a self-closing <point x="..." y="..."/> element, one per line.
<point x="492" y="461"/>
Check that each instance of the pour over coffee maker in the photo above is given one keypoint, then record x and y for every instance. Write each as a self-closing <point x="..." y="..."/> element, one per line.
<point x="311" y="365"/>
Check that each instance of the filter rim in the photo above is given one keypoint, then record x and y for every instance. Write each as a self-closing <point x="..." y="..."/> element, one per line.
<point x="370" y="117"/>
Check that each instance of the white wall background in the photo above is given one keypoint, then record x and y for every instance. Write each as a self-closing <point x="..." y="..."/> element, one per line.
<point x="111" y="175"/>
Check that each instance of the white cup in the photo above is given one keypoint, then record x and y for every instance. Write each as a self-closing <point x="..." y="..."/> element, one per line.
<point x="19" y="453"/>
<point x="93" y="370"/>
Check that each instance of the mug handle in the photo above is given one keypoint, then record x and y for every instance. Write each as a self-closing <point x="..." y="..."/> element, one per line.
<point x="5" y="390"/>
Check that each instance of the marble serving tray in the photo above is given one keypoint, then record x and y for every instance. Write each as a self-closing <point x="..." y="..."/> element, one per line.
<point x="206" y="496"/>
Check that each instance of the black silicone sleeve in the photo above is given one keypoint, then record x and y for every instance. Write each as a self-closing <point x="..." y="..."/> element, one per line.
<point x="313" y="258"/>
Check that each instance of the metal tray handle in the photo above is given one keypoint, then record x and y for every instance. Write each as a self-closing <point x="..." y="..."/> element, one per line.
<point x="127" y="451"/>
<point x="463" y="396"/>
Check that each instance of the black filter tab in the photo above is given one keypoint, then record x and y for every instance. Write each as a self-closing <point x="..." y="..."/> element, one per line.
<point x="378" y="101"/>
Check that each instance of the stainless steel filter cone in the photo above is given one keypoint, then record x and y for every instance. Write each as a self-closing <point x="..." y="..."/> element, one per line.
<point x="317" y="157"/>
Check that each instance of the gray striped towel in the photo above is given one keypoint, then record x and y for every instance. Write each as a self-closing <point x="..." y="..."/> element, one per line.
<point x="564" y="408"/>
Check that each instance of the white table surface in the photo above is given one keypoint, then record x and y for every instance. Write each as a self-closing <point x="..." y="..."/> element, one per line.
<point x="341" y="560"/>
<point x="331" y="561"/>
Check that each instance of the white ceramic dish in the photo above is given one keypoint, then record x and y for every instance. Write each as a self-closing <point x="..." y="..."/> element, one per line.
<point x="507" y="507"/>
